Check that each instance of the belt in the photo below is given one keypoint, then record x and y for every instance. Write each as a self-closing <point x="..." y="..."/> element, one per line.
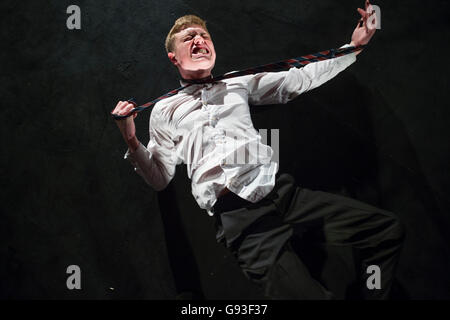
<point x="228" y="202"/>
<point x="271" y="67"/>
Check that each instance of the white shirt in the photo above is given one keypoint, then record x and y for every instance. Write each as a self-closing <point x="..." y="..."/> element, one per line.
<point x="208" y="127"/>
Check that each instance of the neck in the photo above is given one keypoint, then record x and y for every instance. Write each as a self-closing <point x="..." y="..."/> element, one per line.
<point x="193" y="75"/>
<point x="198" y="80"/>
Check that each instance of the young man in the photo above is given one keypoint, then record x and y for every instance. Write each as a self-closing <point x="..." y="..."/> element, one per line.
<point x="257" y="210"/>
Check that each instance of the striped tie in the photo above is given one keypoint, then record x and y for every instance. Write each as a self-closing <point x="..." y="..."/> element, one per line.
<point x="271" y="67"/>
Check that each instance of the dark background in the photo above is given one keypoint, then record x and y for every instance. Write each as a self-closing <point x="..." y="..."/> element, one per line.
<point x="378" y="132"/>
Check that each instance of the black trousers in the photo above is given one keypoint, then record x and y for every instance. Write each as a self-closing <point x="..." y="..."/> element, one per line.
<point x="259" y="235"/>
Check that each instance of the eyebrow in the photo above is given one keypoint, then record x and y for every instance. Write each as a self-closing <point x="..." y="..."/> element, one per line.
<point x="192" y="32"/>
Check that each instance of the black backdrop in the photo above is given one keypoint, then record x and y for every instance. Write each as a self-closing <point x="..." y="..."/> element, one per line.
<point x="378" y="132"/>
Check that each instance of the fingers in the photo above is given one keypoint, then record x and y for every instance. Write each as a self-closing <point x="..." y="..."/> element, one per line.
<point x="364" y="16"/>
<point x="132" y="102"/>
<point x="121" y="104"/>
<point x="362" y="20"/>
<point x="362" y="12"/>
<point x="368" y="11"/>
<point x="371" y="19"/>
<point x="124" y="108"/>
<point x="127" y="108"/>
<point x="372" y="25"/>
<point x="359" y="23"/>
<point x="118" y="107"/>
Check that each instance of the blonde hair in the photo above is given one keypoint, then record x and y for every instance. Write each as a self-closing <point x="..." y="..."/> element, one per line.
<point x="181" y="24"/>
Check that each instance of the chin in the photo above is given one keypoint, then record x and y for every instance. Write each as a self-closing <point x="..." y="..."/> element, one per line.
<point x="206" y="64"/>
<point x="201" y="67"/>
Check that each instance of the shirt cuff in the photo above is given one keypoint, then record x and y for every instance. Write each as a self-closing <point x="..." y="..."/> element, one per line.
<point x="348" y="59"/>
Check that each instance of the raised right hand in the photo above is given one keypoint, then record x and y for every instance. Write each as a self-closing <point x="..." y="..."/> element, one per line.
<point x="365" y="29"/>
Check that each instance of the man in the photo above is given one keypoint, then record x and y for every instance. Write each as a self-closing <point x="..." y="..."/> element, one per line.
<point x="208" y="125"/>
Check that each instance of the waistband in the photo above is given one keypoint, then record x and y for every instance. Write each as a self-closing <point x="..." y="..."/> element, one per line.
<point x="228" y="202"/>
<point x="231" y="201"/>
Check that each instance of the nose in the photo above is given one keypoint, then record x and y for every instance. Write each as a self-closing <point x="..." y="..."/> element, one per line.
<point x="199" y="39"/>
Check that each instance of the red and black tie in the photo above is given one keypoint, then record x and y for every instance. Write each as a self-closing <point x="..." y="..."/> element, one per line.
<point x="271" y="67"/>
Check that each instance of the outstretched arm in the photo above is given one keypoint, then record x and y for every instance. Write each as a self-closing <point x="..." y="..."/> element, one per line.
<point x="281" y="87"/>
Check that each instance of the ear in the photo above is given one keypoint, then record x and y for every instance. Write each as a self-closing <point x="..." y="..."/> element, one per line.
<point x="172" y="58"/>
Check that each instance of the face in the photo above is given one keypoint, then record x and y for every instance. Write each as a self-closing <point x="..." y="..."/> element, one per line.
<point x="194" y="53"/>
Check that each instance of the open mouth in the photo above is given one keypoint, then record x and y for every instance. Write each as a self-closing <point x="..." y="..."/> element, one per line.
<point x="198" y="53"/>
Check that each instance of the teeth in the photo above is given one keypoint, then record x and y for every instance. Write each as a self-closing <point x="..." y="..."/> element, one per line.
<point x="203" y="51"/>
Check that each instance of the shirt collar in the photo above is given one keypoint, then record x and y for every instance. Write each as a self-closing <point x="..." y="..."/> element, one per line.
<point x="196" y="83"/>
<point x="185" y="82"/>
